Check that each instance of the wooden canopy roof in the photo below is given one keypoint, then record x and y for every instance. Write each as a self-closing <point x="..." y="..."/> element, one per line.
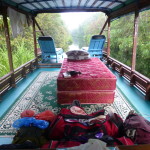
<point x="112" y="8"/>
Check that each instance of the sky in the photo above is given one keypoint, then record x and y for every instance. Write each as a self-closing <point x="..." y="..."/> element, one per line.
<point x="73" y="20"/>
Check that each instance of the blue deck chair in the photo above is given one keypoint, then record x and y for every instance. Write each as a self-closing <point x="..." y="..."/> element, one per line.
<point x="48" y="49"/>
<point x="96" y="46"/>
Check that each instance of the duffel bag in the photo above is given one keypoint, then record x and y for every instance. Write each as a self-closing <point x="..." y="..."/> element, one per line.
<point x="83" y="126"/>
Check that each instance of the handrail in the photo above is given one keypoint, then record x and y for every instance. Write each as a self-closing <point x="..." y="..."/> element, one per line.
<point x="135" y="78"/>
<point x="19" y="73"/>
<point x="27" y="63"/>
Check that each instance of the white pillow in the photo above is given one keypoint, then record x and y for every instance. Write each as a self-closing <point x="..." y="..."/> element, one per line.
<point x="77" y="55"/>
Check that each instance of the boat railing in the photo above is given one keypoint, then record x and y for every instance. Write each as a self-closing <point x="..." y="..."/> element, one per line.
<point x="9" y="80"/>
<point x="135" y="78"/>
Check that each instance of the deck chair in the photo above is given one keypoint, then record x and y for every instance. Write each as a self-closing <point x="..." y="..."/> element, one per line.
<point x="48" y="49"/>
<point x="96" y="46"/>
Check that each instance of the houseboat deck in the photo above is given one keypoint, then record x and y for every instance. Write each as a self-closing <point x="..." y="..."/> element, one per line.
<point x="132" y="95"/>
<point x="128" y="79"/>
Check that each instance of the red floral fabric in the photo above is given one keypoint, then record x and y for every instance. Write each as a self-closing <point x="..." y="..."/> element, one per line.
<point x="95" y="84"/>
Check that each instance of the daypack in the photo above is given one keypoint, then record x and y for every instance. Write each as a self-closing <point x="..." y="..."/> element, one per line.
<point x="137" y="128"/>
<point x="82" y="127"/>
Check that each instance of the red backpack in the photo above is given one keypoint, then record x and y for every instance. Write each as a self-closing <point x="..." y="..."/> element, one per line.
<point x="79" y="127"/>
<point x="137" y="128"/>
<point x="68" y="125"/>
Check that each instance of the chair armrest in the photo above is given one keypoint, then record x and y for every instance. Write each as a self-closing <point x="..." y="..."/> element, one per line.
<point x="59" y="50"/>
<point x="94" y="49"/>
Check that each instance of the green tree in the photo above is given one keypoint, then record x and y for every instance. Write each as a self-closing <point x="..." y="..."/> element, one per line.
<point x="122" y="41"/>
<point x="143" y="48"/>
<point x="23" y="46"/>
<point x="55" y="28"/>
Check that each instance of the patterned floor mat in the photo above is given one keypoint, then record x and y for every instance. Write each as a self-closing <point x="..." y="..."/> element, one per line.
<point x="41" y="96"/>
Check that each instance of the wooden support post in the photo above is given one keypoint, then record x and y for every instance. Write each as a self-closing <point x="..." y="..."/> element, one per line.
<point x="135" y="38"/>
<point x="121" y="70"/>
<point x="104" y="26"/>
<point x="34" y="38"/>
<point x="108" y="39"/>
<point x="31" y="67"/>
<point x="113" y="65"/>
<point x="39" y="27"/>
<point x="8" y="47"/>
<point x="147" y="96"/>
<point x="24" y="72"/>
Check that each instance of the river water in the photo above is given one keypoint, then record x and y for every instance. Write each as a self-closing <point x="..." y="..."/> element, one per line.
<point x="73" y="47"/>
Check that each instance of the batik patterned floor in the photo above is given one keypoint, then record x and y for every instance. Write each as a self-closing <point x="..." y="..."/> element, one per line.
<point x="41" y="96"/>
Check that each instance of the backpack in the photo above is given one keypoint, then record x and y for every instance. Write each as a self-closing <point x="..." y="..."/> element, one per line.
<point x="67" y="125"/>
<point x="70" y="126"/>
<point x="137" y="128"/>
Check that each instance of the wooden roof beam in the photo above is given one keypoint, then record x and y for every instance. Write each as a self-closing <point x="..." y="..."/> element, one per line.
<point x="30" y="2"/>
<point x="4" y="4"/>
<point x="39" y="27"/>
<point x="94" y="3"/>
<point x="73" y="10"/>
<point x="130" y="8"/>
<point x="86" y="3"/>
<point x="104" y="26"/>
<point x="101" y="4"/>
<point x="112" y="1"/>
<point x="63" y="2"/>
<point x="79" y="3"/>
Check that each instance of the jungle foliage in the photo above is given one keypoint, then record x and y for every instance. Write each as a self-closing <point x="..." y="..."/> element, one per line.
<point x="122" y="41"/>
<point x="82" y="35"/>
<point x="23" y="46"/>
<point x="52" y="25"/>
<point x="121" y="38"/>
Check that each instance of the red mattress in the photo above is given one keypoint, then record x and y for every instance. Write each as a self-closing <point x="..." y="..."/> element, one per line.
<point x="96" y="84"/>
<point x="85" y="97"/>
